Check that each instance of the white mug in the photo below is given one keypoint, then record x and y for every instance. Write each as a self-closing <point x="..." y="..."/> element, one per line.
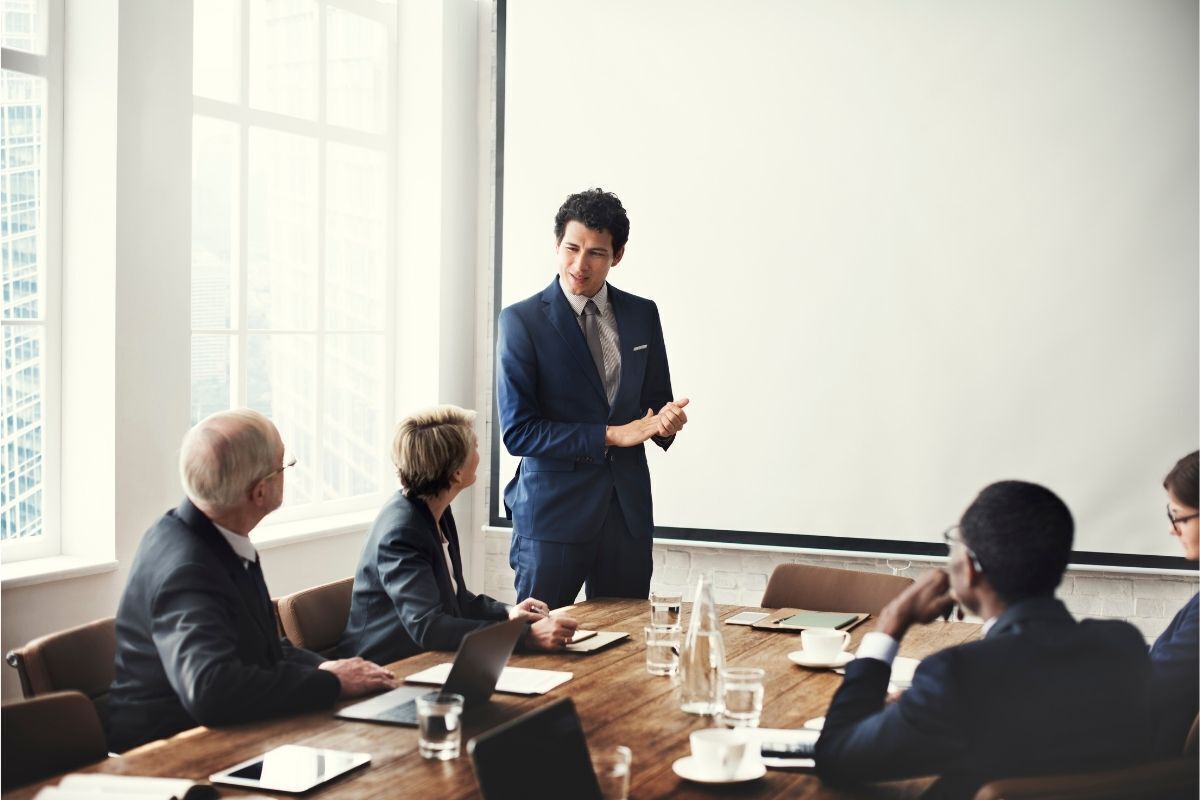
<point x="823" y="643"/>
<point x="719" y="752"/>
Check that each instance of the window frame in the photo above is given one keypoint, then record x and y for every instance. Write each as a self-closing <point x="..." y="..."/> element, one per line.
<point x="48" y="66"/>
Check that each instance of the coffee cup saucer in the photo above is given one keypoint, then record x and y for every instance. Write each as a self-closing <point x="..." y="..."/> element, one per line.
<point x="806" y="660"/>
<point x="751" y="769"/>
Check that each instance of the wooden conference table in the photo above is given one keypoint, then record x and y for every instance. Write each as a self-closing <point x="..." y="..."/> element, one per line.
<point x="618" y="701"/>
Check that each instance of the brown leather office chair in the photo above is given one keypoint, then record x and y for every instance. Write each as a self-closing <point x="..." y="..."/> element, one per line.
<point x="828" y="589"/>
<point x="79" y="658"/>
<point x="1167" y="779"/>
<point x="314" y="618"/>
<point x="48" y="735"/>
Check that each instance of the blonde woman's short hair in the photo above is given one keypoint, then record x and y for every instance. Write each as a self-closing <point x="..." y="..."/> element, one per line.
<point x="429" y="446"/>
<point x="223" y="455"/>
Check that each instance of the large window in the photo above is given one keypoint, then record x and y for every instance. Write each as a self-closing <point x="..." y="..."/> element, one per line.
<point x="30" y="100"/>
<point x="293" y="198"/>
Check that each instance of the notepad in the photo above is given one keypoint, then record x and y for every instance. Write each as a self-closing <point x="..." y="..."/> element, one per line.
<point x="819" y="619"/>
<point x="513" y="680"/>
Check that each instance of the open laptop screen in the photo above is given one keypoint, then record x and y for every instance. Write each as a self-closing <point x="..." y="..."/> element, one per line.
<point x="541" y="755"/>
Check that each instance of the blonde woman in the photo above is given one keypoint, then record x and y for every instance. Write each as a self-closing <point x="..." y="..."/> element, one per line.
<point x="409" y="594"/>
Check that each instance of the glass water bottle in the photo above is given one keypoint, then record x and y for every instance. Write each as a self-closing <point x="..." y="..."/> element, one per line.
<point x="702" y="656"/>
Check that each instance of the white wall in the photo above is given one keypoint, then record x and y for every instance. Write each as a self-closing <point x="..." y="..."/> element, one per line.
<point x="1147" y="601"/>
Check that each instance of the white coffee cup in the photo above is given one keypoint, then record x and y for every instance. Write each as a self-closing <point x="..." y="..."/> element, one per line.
<point x="719" y="752"/>
<point x="823" y="644"/>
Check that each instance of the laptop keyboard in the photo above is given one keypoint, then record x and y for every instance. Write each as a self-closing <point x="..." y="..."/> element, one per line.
<point x="405" y="713"/>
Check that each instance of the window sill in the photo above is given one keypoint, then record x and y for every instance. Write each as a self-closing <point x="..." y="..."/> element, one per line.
<point x="281" y="534"/>
<point x="54" y="568"/>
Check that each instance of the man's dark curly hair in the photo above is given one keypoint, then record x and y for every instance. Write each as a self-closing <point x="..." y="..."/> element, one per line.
<point x="1183" y="480"/>
<point x="1021" y="534"/>
<point x="598" y="210"/>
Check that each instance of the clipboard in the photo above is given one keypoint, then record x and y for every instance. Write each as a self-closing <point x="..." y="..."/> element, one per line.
<point x="778" y="621"/>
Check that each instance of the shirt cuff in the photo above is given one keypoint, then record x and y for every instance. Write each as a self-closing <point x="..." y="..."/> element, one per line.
<point x="879" y="646"/>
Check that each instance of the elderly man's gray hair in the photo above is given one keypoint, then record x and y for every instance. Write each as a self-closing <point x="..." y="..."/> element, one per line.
<point x="224" y="455"/>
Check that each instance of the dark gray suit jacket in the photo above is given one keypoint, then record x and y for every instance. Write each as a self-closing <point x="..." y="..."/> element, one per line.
<point x="1040" y="693"/>
<point x="403" y="602"/>
<point x="196" y="642"/>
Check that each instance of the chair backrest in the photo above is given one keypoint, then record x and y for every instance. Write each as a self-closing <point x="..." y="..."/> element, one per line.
<point x="79" y="659"/>
<point x="1191" y="745"/>
<point x="1158" y="780"/>
<point x="48" y="735"/>
<point x="315" y="618"/>
<point x="828" y="589"/>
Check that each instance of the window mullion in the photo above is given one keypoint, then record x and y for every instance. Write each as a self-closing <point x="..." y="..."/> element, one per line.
<point x="322" y="158"/>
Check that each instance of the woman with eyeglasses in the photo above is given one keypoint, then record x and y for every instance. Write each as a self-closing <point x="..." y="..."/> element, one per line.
<point x="1176" y="655"/>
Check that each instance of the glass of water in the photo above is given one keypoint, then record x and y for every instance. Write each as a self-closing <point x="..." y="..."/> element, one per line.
<point x="743" y="694"/>
<point x="664" y="609"/>
<point x="662" y="650"/>
<point x="612" y="771"/>
<point x="439" y="717"/>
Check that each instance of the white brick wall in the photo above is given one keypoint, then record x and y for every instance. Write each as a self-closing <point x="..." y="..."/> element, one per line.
<point x="1147" y="601"/>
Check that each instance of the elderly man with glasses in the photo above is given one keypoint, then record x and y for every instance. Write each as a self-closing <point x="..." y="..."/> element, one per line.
<point x="197" y="642"/>
<point x="1038" y="693"/>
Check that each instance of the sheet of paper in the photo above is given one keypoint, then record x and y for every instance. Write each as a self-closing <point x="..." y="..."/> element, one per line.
<point x="513" y="680"/>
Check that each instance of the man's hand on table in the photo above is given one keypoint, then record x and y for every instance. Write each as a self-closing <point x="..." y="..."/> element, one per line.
<point x="359" y="676"/>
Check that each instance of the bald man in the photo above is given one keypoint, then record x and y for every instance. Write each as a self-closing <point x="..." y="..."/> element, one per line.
<point x="196" y="637"/>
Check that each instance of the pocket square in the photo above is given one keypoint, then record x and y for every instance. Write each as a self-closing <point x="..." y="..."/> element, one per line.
<point x="640" y="347"/>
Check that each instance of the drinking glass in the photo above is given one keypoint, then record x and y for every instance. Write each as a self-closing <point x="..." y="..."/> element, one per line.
<point x="662" y="650"/>
<point x="664" y="609"/>
<point x="612" y="771"/>
<point x="743" y="693"/>
<point x="439" y="717"/>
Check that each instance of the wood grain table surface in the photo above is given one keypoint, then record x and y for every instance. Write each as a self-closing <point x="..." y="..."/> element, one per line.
<point x="618" y="701"/>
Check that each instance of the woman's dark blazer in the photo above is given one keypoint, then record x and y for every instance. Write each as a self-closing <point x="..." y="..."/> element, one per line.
<point x="403" y="602"/>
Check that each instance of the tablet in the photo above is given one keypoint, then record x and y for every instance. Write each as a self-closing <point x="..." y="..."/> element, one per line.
<point x="292" y="768"/>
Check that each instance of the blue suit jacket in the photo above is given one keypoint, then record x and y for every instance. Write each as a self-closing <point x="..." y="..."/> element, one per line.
<point x="1040" y="693"/>
<point x="403" y="602"/>
<point x="553" y="411"/>
<point x="1175" y="681"/>
<point x="197" y="644"/>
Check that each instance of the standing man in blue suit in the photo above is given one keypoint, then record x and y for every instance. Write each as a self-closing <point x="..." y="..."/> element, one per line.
<point x="583" y="383"/>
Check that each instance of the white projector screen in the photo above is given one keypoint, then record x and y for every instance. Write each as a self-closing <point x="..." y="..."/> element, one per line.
<point x="901" y="250"/>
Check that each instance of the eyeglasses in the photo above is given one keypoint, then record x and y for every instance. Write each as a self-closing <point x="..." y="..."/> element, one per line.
<point x="952" y="536"/>
<point x="277" y="471"/>
<point x="1177" y="521"/>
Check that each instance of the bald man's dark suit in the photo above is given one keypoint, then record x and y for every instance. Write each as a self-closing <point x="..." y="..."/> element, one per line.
<point x="197" y="642"/>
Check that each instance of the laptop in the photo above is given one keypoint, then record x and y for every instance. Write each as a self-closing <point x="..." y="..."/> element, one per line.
<point x="553" y="737"/>
<point x="477" y="666"/>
